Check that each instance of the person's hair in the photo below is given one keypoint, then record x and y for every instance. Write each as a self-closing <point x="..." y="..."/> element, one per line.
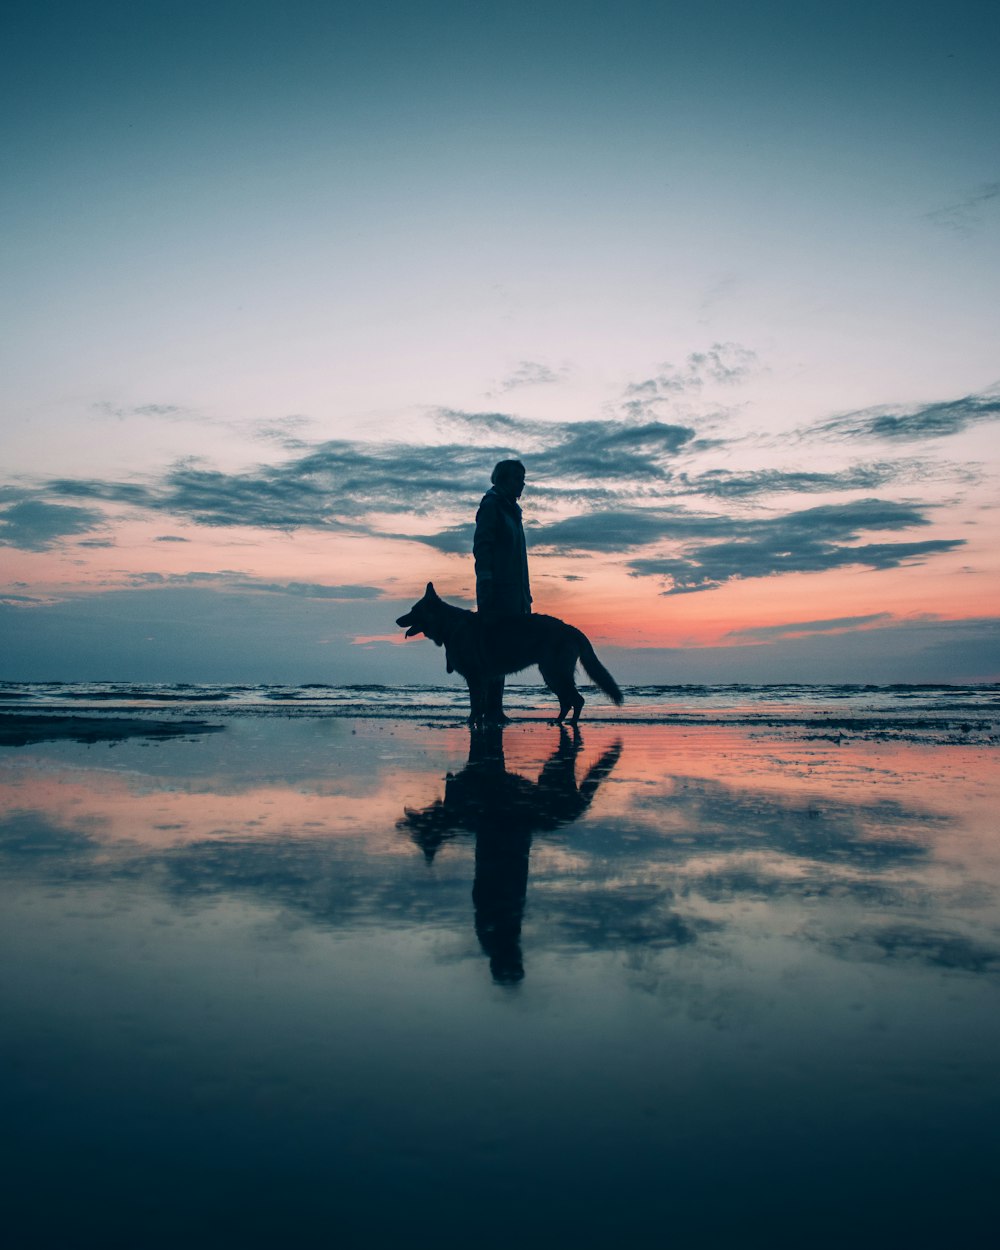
<point x="506" y="468"/>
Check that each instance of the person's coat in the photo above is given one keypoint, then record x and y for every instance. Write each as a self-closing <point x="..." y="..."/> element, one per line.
<point x="501" y="557"/>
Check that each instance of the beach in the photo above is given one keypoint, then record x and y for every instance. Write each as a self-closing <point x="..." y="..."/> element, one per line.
<point x="714" y="968"/>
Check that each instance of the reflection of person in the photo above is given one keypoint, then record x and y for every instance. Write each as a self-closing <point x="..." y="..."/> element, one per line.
<point x="501" y="557"/>
<point x="504" y="811"/>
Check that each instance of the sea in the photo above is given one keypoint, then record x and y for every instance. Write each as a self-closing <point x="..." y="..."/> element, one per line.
<point x="959" y="713"/>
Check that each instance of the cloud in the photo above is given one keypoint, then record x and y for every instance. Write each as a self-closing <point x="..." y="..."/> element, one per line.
<point x="724" y="484"/>
<point x="230" y="579"/>
<point x="333" y="485"/>
<point x="271" y="497"/>
<point x="608" y="529"/>
<point x="624" y="480"/>
<point x="910" y="424"/>
<point x="726" y="364"/>
<point x="718" y="548"/>
<point x="329" y="487"/>
<point x="808" y="541"/>
<point x="311" y="590"/>
<point x="34" y="525"/>
<point x="909" y="943"/>
<point x="622" y="472"/>
<point x="632" y="527"/>
<point x="602" y="450"/>
<point x="796" y="629"/>
<point x="285" y="431"/>
<point x="108" y="409"/>
<point x="455" y="540"/>
<point x="713" y="566"/>
<point x="528" y="373"/>
<point x="964" y="216"/>
<point x="15" y="601"/>
<point x="611" y="451"/>
<point x="622" y="529"/>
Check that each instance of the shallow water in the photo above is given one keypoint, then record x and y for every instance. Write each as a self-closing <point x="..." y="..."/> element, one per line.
<point x="373" y="982"/>
<point x="961" y="711"/>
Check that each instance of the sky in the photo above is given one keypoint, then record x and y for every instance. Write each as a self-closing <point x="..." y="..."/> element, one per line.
<point x="279" y="284"/>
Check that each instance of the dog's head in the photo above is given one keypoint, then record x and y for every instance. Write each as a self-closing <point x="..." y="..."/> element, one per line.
<point x="423" y="617"/>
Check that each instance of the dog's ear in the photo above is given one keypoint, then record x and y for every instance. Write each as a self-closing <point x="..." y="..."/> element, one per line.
<point x="430" y="592"/>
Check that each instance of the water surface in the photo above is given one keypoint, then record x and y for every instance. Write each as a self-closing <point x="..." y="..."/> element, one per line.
<point x="374" y="981"/>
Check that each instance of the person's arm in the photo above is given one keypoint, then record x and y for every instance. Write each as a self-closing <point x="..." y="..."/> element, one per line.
<point x="484" y="545"/>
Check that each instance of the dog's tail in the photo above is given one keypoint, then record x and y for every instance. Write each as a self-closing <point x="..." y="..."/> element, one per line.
<point x="596" y="671"/>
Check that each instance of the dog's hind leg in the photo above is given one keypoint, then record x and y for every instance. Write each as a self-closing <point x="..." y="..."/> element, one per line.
<point x="577" y="704"/>
<point x="564" y="688"/>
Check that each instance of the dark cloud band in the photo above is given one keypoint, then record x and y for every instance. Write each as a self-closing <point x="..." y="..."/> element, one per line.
<point x="619" y="478"/>
<point x="927" y="421"/>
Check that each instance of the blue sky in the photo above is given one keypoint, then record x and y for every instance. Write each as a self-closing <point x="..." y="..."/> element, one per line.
<point x="725" y="276"/>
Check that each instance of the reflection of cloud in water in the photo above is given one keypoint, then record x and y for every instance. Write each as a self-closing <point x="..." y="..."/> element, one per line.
<point x="721" y="818"/>
<point x="913" y="944"/>
<point x="318" y="881"/>
<point x="30" y="839"/>
<point x="625" y="916"/>
<point x="722" y="844"/>
<point x="772" y="878"/>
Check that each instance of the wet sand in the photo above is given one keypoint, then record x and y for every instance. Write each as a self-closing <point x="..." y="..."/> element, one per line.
<point x="21" y="729"/>
<point x="377" y="982"/>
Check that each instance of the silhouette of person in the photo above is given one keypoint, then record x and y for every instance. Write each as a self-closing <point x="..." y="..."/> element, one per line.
<point x="501" y="558"/>
<point x="504" y="811"/>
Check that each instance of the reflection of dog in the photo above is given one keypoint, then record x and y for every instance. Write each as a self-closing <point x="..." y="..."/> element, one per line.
<point x="483" y="650"/>
<point x="504" y="810"/>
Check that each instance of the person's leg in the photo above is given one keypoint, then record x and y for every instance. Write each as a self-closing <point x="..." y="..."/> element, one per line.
<point x="494" y="700"/>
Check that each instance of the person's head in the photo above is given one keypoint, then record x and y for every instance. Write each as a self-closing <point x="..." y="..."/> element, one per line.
<point x="508" y="476"/>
